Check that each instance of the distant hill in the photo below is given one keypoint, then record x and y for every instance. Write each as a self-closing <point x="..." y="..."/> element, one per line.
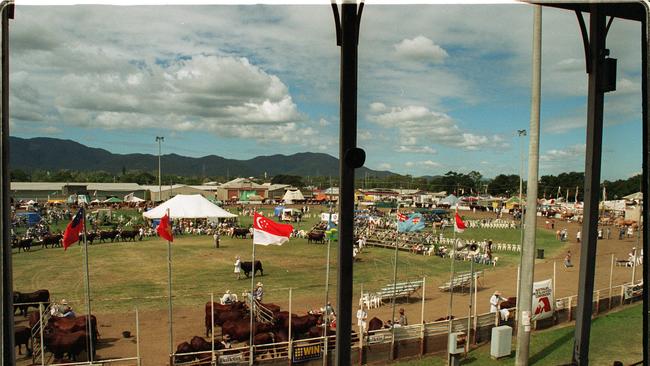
<point x="44" y="153"/>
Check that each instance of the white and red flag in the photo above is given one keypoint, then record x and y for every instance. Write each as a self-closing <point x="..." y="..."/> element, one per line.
<point x="459" y="225"/>
<point x="401" y="217"/>
<point x="268" y="232"/>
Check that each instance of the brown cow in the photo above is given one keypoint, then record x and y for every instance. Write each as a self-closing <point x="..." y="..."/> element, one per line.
<point x="511" y="302"/>
<point x="184" y="348"/>
<point x="59" y="342"/>
<point x="240" y="330"/>
<point x="301" y="324"/>
<point x="79" y="323"/>
<point x="375" y="324"/>
<point x="223" y="313"/>
<point x="22" y="335"/>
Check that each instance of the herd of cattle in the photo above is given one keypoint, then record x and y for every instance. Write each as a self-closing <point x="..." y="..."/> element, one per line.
<point x="234" y="322"/>
<point x="61" y="336"/>
<point x="55" y="240"/>
<point x="315" y="235"/>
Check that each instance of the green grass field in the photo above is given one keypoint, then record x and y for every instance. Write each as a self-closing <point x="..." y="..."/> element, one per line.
<point x="616" y="336"/>
<point x="129" y="274"/>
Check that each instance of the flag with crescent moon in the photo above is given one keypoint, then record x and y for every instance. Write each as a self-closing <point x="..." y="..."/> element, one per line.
<point x="268" y="232"/>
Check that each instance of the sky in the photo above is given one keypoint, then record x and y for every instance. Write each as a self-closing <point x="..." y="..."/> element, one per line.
<point x="441" y="87"/>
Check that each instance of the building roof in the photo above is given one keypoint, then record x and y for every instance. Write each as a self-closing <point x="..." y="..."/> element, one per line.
<point x="57" y="186"/>
<point x="242" y="183"/>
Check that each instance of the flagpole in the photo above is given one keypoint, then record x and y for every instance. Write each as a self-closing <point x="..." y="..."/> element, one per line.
<point x="169" y="289"/>
<point x="392" y="341"/>
<point x="451" y="282"/>
<point x="87" y="285"/>
<point x="250" y="342"/>
<point x="327" y="285"/>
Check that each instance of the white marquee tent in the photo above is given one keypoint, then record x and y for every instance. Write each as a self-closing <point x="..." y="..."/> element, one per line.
<point x="192" y="206"/>
<point x="291" y="196"/>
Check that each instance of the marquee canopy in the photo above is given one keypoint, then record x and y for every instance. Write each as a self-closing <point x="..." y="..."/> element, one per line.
<point x="193" y="206"/>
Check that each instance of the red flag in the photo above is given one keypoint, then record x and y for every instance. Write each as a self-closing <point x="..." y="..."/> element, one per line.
<point x="401" y="217"/>
<point x="267" y="232"/>
<point x="459" y="225"/>
<point x="164" y="229"/>
<point x="71" y="234"/>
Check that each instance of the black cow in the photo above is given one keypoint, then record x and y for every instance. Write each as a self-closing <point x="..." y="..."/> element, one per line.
<point x="112" y="235"/>
<point x="316" y="236"/>
<point x="30" y="299"/>
<point x="53" y="240"/>
<point x="24" y="244"/>
<point x="22" y="335"/>
<point x="127" y="235"/>
<point x="247" y="267"/>
<point x="240" y="232"/>
<point x="90" y="237"/>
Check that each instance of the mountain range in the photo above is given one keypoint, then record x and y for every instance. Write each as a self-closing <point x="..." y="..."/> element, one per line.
<point x="44" y="153"/>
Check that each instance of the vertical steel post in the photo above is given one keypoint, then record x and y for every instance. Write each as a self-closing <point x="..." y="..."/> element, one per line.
<point x="7" y="318"/>
<point x="169" y="289"/>
<point x="611" y="277"/>
<point x="645" y="30"/>
<point x="137" y="335"/>
<point x="349" y="27"/>
<point x="595" y="100"/>
<point x="527" y="271"/>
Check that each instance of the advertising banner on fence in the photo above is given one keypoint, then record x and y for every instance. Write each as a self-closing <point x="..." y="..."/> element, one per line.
<point x="542" y="300"/>
<point x="307" y="352"/>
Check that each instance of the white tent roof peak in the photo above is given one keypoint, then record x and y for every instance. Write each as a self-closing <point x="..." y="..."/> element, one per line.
<point x="193" y="206"/>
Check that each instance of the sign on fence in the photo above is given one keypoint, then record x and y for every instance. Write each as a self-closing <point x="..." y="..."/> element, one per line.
<point x="306" y="353"/>
<point x="229" y="359"/>
<point x="378" y="338"/>
<point x="542" y="299"/>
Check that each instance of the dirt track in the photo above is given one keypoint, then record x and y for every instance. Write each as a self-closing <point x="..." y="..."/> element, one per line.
<point x="188" y="322"/>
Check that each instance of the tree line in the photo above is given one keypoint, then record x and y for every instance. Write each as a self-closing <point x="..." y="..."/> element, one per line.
<point x="550" y="186"/>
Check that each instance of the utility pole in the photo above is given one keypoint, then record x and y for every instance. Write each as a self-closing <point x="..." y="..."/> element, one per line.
<point x="524" y="302"/>
<point x="159" y="140"/>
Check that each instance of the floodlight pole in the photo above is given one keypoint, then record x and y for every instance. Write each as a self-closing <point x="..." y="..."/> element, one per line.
<point x="645" y="30"/>
<point x="159" y="139"/>
<point x="525" y="290"/>
<point x="350" y="157"/>
<point x="7" y="317"/>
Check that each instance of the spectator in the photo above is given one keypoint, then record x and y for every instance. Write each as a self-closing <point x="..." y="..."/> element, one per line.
<point x="216" y="238"/>
<point x="402" y="318"/>
<point x="238" y="267"/>
<point x="567" y="259"/>
<point x="227" y="298"/>
<point x="578" y="236"/>
<point x="495" y="300"/>
<point x="259" y="292"/>
<point x="362" y="315"/>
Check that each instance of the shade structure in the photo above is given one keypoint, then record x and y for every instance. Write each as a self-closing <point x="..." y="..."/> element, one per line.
<point x="638" y="196"/>
<point x="113" y="200"/>
<point x="190" y="206"/>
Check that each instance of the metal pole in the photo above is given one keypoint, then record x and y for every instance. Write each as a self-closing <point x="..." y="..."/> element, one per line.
<point x="475" y="279"/>
<point x="87" y="287"/>
<point x="451" y="288"/>
<point x="40" y="321"/>
<point x="137" y="334"/>
<point x="327" y="288"/>
<point x="554" y="274"/>
<point x="159" y="139"/>
<point x="524" y="301"/>
<point x="7" y="318"/>
<point x="521" y="133"/>
<point x="469" y="310"/>
<point x="597" y="34"/>
<point x="169" y="289"/>
<point x="212" y="324"/>
<point x="392" y="338"/>
<point x="290" y="321"/>
<point x="347" y="37"/>
<point x="251" y="359"/>
<point x="611" y="276"/>
<point x="424" y="289"/>
<point x="645" y="180"/>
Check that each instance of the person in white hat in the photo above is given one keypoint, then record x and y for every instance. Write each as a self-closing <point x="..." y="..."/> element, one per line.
<point x="259" y="292"/>
<point x="495" y="300"/>
<point x="238" y="267"/>
<point x="227" y="298"/>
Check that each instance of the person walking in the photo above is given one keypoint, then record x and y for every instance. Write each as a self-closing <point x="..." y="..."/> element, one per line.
<point x="362" y="315"/>
<point x="402" y="318"/>
<point x="238" y="267"/>
<point x="216" y="238"/>
<point x="567" y="259"/>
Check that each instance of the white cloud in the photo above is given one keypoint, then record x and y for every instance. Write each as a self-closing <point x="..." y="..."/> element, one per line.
<point x="574" y="152"/>
<point x="431" y="164"/>
<point x="421" y="49"/>
<point x="409" y="164"/>
<point x="416" y="123"/>
<point x="416" y="149"/>
<point x="385" y="166"/>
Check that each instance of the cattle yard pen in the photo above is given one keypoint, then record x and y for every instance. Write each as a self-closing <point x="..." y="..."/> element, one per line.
<point x="37" y="341"/>
<point x="410" y="341"/>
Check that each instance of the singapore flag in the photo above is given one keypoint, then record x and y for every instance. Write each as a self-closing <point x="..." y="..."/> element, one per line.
<point x="268" y="232"/>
